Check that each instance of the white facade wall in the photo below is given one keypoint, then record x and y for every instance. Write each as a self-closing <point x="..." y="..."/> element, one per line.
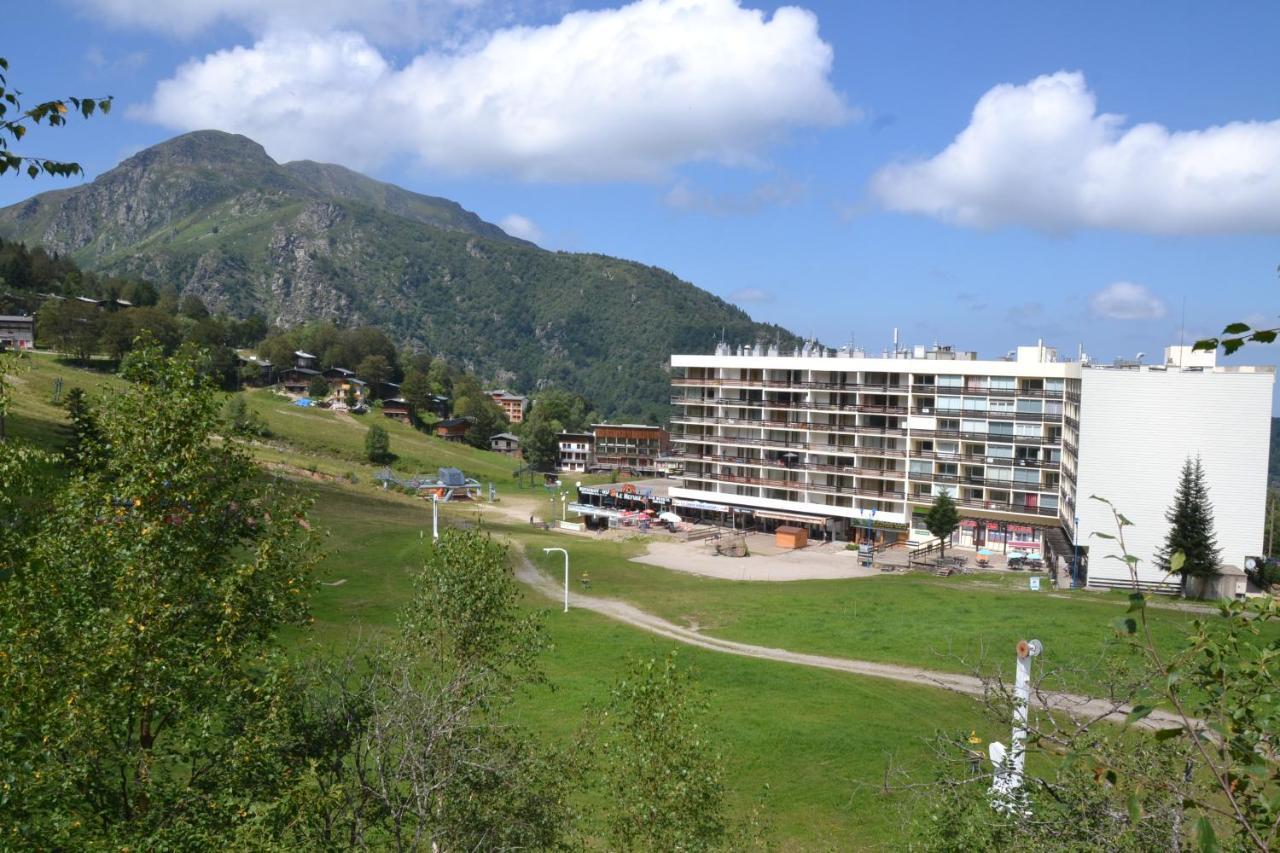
<point x="1137" y="427"/>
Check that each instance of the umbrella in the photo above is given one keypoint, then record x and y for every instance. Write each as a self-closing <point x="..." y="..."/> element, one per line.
<point x="669" y="516"/>
<point x="1017" y="555"/>
<point x="986" y="552"/>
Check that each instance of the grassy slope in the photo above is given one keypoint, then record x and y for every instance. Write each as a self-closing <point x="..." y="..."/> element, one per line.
<point x="820" y="741"/>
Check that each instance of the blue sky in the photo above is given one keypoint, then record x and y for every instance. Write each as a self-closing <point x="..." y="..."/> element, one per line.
<point x="803" y="164"/>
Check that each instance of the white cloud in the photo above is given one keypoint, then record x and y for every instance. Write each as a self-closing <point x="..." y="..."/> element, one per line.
<point x="751" y="294"/>
<point x="781" y="193"/>
<point x="624" y="93"/>
<point x="1124" y="300"/>
<point x="1041" y="155"/>
<point x="522" y="227"/>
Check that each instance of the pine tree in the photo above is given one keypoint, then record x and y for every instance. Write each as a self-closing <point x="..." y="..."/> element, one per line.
<point x="1190" y="520"/>
<point x="942" y="519"/>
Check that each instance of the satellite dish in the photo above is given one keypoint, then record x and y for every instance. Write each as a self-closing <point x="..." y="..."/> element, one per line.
<point x="1251" y="564"/>
<point x="1034" y="648"/>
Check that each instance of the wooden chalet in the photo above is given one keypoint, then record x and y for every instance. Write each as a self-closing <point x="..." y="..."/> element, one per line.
<point x="453" y="429"/>
<point x="398" y="408"/>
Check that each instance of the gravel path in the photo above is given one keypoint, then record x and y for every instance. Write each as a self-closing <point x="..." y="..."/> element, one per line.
<point x="1076" y="705"/>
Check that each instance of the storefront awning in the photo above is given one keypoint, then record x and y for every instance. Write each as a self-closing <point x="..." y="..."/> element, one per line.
<point x="703" y="505"/>
<point x="787" y="516"/>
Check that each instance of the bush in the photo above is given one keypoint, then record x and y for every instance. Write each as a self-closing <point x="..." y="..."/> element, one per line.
<point x="318" y="389"/>
<point x="377" y="444"/>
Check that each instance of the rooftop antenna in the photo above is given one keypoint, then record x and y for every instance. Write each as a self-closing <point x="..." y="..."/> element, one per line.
<point x="1182" y="330"/>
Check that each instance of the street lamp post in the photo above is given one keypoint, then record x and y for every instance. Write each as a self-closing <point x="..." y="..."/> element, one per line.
<point x="566" y="573"/>
<point x="435" y="518"/>
<point x="1075" y="564"/>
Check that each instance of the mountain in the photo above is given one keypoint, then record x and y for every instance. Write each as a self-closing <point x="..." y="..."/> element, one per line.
<point x="214" y="215"/>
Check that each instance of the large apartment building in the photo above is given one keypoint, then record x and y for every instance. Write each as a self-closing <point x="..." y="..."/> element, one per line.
<point x="850" y="443"/>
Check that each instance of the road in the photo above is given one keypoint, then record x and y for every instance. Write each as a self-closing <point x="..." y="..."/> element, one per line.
<point x="1076" y="705"/>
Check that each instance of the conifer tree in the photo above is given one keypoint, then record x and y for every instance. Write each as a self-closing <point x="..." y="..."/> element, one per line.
<point x="1190" y="520"/>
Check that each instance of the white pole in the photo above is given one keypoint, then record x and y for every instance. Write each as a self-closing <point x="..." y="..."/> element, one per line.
<point x="566" y="573"/>
<point x="1008" y="766"/>
<point x="435" y="518"/>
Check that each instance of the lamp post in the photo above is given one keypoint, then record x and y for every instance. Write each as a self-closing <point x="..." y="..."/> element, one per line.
<point x="566" y="573"/>
<point x="564" y="506"/>
<point x="1075" y="564"/>
<point x="435" y="518"/>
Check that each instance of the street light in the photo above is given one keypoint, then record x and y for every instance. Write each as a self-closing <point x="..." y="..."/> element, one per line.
<point x="566" y="573"/>
<point x="1075" y="565"/>
<point x="435" y="517"/>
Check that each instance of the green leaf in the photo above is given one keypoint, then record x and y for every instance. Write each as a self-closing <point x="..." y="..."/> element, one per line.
<point x="1168" y="734"/>
<point x="1102" y="535"/>
<point x="1135" y="807"/>
<point x="1097" y="498"/>
<point x="1204" y="835"/>
<point x="1139" y="712"/>
<point x="1177" y="561"/>
<point x="1230" y="345"/>
<point x="1137" y="601"/>
<point x="1124" y="522"/>
<point x="1267" y="336"/>
<point x="1236" y="328"/>
<point x="1206" y="345"/>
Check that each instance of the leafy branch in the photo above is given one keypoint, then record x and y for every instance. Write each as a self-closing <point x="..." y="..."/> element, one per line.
<point x="15" y="121"/>
<point x="1236" y="335"/>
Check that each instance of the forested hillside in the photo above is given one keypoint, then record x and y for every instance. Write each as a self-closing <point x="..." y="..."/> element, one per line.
<point x="211" y="214"/>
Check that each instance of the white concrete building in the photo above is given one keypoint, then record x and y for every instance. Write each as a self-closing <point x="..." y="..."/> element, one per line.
<point x="846" y="442"/>
<point x="1137" y="428"/>
<point x="574" y="451"/>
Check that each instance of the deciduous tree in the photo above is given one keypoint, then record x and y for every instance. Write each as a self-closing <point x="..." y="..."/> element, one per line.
<point x="141" y="685"/>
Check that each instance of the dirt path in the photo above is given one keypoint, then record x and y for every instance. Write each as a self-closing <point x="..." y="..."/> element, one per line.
<point x="1078" y="706"/>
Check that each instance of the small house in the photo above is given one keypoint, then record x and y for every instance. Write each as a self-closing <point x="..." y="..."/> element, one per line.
<point x="438" y="405"/>
<point x="505" y="442"/>
<point x="297" y="379"/>
<point x="17" y="331"/>
<point x="341" y="381"/>
<point x="398" y="408"/>
<point x="305" y="360"/>
<point x="453" y="429"/>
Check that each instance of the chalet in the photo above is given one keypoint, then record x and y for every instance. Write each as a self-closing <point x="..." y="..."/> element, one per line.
<point x="342" y="380"/>
<point x="505" y="442"/>
<point x="513" y="405"/>
<point x="574" y="451"/>
<point x="17" y="331"/>
<point x="398" y="409"/>
<point x="254" y="370"/>
<point x="438" y="405"/>
<point x="305" y="360"/>
<point x="388" y="389"/>
<point x="453" y="429"/>
<point x="296" y="380"/>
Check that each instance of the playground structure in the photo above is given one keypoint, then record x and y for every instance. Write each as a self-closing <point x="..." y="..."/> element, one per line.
<point x="449" y="484"/>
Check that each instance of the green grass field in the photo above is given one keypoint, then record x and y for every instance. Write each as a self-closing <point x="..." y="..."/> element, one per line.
<point x="820" y="741"/>
<point x="950" y="624"/>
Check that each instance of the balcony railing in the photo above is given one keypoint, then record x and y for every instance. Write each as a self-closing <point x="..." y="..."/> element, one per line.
<point x="778" y="464"/>
<point x="799" y="385"/>
<point x="996" y="506"/>
<point x="812" y="446"/>
<point x="969" y="391"/>
<point x="867" y="408"/>
<point x="982" y="459"/>
<point x="800" y="426"/>
<point x="795" y="485"/>
<point x="985" y="415"/>
<point x="974" y="435"/>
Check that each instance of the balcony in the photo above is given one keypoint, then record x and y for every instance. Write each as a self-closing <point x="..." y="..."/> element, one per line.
<point x="994" y="506"/>
<point x="800" y="426"/>
<point x="797" y="385"/>
<point x="779" y="465"/>
<point x="865" y="408"/>
<point x="811" y="446"/>
<point x="796" y="486"/>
